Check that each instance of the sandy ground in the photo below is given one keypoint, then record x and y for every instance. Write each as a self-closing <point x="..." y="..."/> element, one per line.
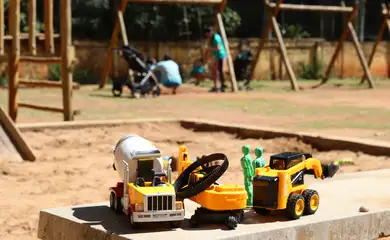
<point x="74" y="167"/>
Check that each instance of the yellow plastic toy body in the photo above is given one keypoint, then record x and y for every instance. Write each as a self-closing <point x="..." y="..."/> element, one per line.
<point x="216" y="197"/>
<point x="281" y="184"/>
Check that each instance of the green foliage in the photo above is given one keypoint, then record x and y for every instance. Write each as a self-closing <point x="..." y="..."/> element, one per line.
<point x="3" y="80"/>
<point x="294" y="31"/>
<point x="54" y="72"/>
<point x="23" y="17"/>
<point x="312" y="70"/>
<point x="80" y="75"/>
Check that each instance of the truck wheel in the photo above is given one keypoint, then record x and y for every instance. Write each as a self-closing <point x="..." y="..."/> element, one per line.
<point x="194" y="222"/>
<point x="262" y="211"/>
<point x="312" y="201"/>
<point x="295" y="206"/>
<point x="112" y="201"/>
<point x="232" y="222"/>
<point x="133" y="225"/>
<point x="118" y="205"/>
<point x="175" y="224"/>
<point x="240" y="216"/>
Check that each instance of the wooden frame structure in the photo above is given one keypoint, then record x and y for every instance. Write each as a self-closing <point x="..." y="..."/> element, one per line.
<point x="274" y="9"/>
<point x="120" y="27"/>
<point x="385" y="24"/>
<point x="14" y="56"/>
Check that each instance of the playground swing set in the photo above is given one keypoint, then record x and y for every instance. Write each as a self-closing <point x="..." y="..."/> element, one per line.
<point x="278" y="5"/>
<point x="219" y="6"/>
<point x="14" y="57"/>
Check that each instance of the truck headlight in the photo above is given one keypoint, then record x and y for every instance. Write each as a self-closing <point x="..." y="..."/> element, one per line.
<point x="139" y="207"/>
<point x="179" y="205"/>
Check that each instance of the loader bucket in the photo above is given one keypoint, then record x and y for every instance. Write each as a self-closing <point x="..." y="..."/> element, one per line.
<point x="329" y="170"/>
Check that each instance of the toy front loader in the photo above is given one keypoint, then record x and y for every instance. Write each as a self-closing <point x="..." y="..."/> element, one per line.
<point x="280" y="186"/>
<point x="197" y="182"/>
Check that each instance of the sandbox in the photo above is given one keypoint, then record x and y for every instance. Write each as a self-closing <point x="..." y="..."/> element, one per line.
<point x="74" y="166"/>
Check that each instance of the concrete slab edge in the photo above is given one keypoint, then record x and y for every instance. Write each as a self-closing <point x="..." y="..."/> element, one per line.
<point x="363" y="226"/>
<point x="360" y="226"/>
<point x="319" y="142"/>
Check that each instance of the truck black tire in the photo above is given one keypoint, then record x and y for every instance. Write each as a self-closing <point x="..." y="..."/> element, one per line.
<point x="175" y="224"/>
<point x="112" y="200"/>
<point x="312" y="201"/>
<point x="295" y="206"/>
<point x="181" y="184"/>
<point x="232" y="222"/>
<point x="194" y="221"/>
<point x="133" y="225"/>
<point x="118" y="205"/>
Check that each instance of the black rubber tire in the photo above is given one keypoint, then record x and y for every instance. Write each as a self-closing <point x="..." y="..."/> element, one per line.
<point x="308" y="195"/>
<point x="133" y="225"/>
<point x="262" y="211"/>
<point x="183" y="191"/>
<point x="194" y="222"/>
<point x="232" y="222"/>
<point x="112" y="200"/>
<point x="118" y="205"/>
<point x="116" y="93"/>
<point x="292" y="201"/>
<point x="175" y="224"/>
<point x="239" y="216"/>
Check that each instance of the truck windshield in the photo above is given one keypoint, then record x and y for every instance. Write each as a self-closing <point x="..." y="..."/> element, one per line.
<point x="145" y="169"/>
<point x="278" y="164"/>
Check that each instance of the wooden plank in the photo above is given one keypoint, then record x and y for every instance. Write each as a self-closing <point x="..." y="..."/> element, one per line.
<point x="2" y="23"/>
<point x="363" y="61"/>
<point x="45" y="84"/>
<point x="49" y="28"/>
<point x="16" y="137"/>
<point x="377" y="41"/>
<point x="338" y="47"/>
<point x="13" y="64"/>
<point x="123" y="28"/>
<point x="192" y="2"/>
<point x="266" y="32"/>
<point x="24" y="36"/>
<point x="67" y="54"/>
<point x="283" y="51"/>
<point x="114" y="39"/>
<point x="43" y="60"/>
<point x="42" y="108"/>
<point x="229" y="56"/>
<point x="32" y="17"/>
<point x="312" y="8"/>
<point x="8" y="150"/>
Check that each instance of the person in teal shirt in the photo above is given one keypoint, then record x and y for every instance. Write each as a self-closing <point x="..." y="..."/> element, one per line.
<point x="220" y="54"/>
<point x="169" y="73"/>
<point x="198" y="71"/>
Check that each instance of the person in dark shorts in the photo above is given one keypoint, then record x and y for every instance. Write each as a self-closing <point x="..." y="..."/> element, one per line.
<point x="219" y="52"/>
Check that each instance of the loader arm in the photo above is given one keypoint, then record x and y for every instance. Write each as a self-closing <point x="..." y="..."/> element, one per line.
<point x="310" y="165"/>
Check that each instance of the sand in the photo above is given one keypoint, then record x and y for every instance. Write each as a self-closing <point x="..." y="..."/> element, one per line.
<point x="75" y="167"/>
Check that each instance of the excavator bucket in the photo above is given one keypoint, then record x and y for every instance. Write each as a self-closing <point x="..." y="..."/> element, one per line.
<point x="329" y="170"/>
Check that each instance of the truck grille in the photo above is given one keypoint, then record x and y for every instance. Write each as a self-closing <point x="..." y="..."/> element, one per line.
<point x="156" y="203"/>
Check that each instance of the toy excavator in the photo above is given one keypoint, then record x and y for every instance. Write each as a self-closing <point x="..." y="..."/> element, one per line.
<point x="281" y="184"/>
<point x="197" y="182"/>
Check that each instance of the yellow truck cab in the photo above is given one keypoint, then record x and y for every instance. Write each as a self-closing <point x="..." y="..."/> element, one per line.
<point x="145" y="193"/>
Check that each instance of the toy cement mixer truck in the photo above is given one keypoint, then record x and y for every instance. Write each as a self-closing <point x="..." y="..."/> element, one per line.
<point x="145" y="193"/>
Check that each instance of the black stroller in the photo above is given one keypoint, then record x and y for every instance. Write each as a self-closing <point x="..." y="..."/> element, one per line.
<point x="144" y="80"/>
<point x="241" y="68"/>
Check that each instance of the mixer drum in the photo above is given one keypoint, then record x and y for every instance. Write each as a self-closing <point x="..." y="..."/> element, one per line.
<point x="127" y="148"/>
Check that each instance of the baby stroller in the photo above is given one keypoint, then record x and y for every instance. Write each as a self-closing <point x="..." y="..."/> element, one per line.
<point x="144" y="79"/>
<point x="241" y="68"/>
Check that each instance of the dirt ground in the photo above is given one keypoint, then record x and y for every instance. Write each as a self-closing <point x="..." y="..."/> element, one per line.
<point x="75" y="167"/>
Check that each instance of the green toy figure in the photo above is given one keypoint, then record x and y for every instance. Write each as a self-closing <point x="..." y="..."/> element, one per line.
<point x="259" y="162"/>
<point x="246" y="164"/>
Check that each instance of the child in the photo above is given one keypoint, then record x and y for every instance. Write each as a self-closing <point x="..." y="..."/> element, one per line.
<point x="198" y="71"/>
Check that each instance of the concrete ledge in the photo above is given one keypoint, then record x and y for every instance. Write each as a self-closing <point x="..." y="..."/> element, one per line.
<point x="337" y="217"/>
<point x="320" y="142"/>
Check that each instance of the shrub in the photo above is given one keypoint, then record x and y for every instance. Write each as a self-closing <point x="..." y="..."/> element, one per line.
<point x="312" y="70"/>
<point x="54" y="72"/>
